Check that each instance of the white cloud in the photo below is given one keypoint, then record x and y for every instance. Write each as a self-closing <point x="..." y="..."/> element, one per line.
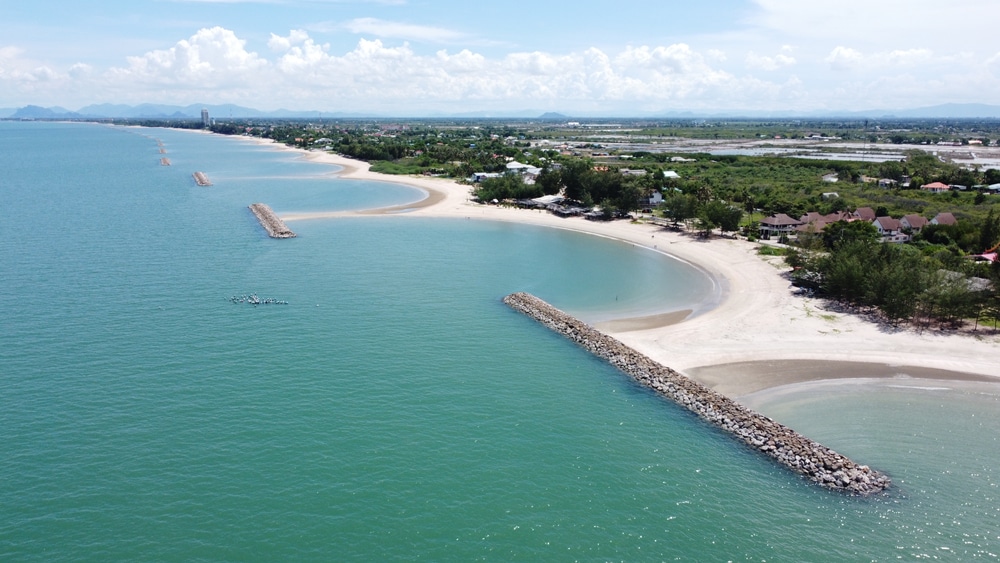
<point x="210" y="58"/>
<point x="762" y="62"/>
<point x="406" y="31"/>
<point x="844" y="58"/>
<point x="295" y="37"/>
<point x="716" y="55"/>
<point x="299" y="71"/>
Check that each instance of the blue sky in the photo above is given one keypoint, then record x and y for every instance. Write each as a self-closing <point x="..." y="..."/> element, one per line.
<point x="421" y="57"/>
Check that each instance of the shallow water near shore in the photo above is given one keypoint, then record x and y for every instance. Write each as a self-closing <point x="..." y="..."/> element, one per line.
<point x="395" y="409"/>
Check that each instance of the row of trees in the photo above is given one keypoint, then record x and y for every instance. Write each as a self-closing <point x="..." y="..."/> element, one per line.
<point x="899" y="281"/>
<point x="579" y="181"/>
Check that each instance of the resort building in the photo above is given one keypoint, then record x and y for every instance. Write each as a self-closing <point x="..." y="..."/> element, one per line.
<point x="778" y="225"/>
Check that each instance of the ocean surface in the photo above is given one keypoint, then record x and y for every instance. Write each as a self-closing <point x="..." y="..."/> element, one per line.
<point x="394" y="409"/>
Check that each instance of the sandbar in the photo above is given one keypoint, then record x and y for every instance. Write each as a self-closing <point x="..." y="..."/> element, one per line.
<point x="757" y="318"/>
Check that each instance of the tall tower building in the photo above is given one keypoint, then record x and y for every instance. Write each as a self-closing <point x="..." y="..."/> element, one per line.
<point x="204" y="118"/>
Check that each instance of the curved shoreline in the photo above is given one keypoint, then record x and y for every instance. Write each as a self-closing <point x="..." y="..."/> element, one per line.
<point x="757" y="318"/>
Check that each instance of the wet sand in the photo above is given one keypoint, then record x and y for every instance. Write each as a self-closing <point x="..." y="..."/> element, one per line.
<point x="744" y="378"/>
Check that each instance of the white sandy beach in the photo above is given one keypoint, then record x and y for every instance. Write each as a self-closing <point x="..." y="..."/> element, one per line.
<point x="759" y="323"/>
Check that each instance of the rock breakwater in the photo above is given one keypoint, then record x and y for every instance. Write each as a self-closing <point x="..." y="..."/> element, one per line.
<point x="806" y="457"/>
<point x="201" y="179"/>
<point x="274" y="226"/>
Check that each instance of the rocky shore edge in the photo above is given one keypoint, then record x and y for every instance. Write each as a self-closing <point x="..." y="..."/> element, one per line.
<point x="274" y="226"/>
<point x="798" y="453"/>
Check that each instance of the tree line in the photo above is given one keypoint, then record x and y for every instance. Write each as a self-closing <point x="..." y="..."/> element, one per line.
<point x="898" y="282"/>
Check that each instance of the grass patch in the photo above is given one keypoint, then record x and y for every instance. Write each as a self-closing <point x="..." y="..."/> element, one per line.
<point x="767" y="250"/>
<point x="397" y="167"/>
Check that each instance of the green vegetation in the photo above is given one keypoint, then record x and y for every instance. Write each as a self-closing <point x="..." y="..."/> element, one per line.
<point x="899" y="281"/>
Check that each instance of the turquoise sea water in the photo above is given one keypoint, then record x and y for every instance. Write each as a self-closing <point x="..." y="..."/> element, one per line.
<point x="395" y="409"/>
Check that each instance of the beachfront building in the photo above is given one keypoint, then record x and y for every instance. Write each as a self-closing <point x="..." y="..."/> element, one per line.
<point x="778" y="225"/>
<point x="650" y="200"/>
<point x="205" y="121"/>
<point x="480" y="176"/>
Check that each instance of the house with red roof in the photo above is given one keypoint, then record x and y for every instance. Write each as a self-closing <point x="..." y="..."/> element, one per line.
<point x="935" y="187"/>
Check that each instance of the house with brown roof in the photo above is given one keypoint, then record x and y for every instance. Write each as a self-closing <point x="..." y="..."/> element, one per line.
<point x="865" y="214"/>
<point x="944" y="219"/>
<point x="935" y="187"/>
<point x="779" y="224"/>
<point x="889" y="229"/>
<point x="913" y="222"/>
<point x="814" y="223"/>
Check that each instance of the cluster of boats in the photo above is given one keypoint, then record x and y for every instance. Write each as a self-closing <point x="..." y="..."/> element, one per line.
<point x="252" y="299"/>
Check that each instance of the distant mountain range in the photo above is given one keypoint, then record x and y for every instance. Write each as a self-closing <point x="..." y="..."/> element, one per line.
<point x="226" y="111"/>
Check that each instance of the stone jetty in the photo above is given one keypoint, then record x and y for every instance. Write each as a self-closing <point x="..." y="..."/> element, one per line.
<point x="814" y="461"/>
<point x="201" y="179"/>
<point x="274" y="226"/>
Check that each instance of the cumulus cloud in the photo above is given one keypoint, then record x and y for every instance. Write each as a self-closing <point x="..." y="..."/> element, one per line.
<point x="376" y="71"/>
<point x="211" y="57"/>
<point x="763" y="62"/>
<point x="844" y="58"/>
<point x="296" y="70"/>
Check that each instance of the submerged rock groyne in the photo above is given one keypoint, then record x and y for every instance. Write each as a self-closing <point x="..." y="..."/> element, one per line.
<point x="274" y="226"/>
<point x="201" y="179"/>
<point x="786" y="446"/>
<point x="164" y="161"/>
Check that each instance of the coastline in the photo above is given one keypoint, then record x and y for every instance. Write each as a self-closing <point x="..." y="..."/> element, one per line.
<point x="758" y="335"/>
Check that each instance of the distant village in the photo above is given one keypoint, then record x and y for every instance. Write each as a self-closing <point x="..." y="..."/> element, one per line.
<point x="778" y="227"/>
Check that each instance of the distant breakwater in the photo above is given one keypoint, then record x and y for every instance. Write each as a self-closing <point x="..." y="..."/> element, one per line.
<point x="201" y="179"/>
<point x="806" y="457"/>
<point x="274" y="226"/>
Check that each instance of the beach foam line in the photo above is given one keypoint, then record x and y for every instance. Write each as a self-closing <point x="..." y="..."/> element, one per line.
<point x="798" y="453"/>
